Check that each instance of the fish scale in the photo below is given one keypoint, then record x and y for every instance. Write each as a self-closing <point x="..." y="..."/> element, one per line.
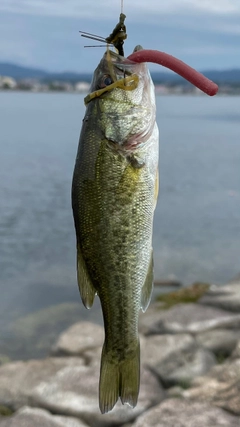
<point x="113" y="199"/>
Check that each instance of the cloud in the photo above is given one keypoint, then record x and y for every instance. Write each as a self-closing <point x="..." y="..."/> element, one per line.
<point x="210" y="50"/>
<point x="219" y="6"/>
<point x="44" y="33"/>
<point x="104" y="9"/>
<point x="229" y="28"/>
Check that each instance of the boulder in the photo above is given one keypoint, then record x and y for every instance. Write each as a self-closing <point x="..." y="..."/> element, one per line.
<point x="193" y="318"/>
<point x="236" y="352"/>
<point x="158" y="348"/>
<point x="182" y="367"/>
<point x="175" y="391"/>
<point x="226" y="296"/>
<point x="78" y="339"/>
<point x="147" y="319"/>
<point x="178" y="413"/>
<point x="220" y="341"/>
<point x="66" y="386"/>
<point x="18" y="379"/>
<point x="92" y="356"/>
<point x="74" y="392"/>
<point x="35" y="417"/>
<point x="83" y="339"/>
<point x="220" y="387"/>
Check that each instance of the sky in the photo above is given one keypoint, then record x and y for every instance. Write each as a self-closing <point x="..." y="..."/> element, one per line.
<point x="45" y="33"/>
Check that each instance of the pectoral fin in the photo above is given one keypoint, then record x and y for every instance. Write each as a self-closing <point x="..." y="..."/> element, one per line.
<point x="147" y="287"/>
<point x="87" y="291"/>
<point x="135" y="162"/>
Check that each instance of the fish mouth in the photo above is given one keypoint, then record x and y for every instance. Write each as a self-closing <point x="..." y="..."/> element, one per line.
<point x="126" y="83"/>
<point x="123" y="74"/>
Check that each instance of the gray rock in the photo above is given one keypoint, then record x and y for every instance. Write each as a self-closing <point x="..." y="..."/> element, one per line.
<point x="235" y="279"/>
<point x="83" y="339"/>
<point x="226" y="297"/>
<point x="175" y="391"/>
<point x="220" y="341"/>
<point x="193" y="318"/>
<point x="66" y="386"/>
<point x="220" y="387"/>
<point x="18" y="379"/>
<point x="147" y="319"/>
<point x="236" y="352"/>
<point x="92" y="356"/>
<point x="182" y="367"/>
<point x="79" y="338"/>
<point x="74" y="392"/>
<point x="34" y="417"/>
<point x="178" y="413"/>
<point x="158" y="348"/>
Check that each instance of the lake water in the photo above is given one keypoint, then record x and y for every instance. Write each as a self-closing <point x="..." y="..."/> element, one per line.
<point x="197" y="221"/>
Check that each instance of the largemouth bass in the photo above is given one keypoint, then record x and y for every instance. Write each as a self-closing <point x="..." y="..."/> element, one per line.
<point x="114" y="193"/>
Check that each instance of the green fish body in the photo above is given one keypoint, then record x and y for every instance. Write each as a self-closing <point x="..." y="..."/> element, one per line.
<point x="114" y="193"/>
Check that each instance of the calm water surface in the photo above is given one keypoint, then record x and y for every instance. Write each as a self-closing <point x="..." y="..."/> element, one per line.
<point x="197" y="221"/>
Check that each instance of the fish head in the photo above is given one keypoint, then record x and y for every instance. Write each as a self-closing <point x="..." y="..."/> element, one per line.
<point x="124" y="98"/>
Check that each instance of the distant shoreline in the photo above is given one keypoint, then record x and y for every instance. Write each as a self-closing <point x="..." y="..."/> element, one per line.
<point x="161" y="90"/>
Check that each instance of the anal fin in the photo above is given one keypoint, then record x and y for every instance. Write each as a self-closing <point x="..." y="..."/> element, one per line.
<point x="86" y="288"/>
<point x="147" y="287"/>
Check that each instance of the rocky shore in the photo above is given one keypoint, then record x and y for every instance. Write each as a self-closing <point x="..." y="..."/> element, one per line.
<point x="190" y="358"/>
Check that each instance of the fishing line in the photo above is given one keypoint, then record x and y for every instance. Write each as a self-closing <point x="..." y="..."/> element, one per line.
<point x="99" y="45"/>
<point x="121" y="6"/>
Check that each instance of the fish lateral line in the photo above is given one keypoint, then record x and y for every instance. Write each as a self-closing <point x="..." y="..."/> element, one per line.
<point x="188" y="73"/>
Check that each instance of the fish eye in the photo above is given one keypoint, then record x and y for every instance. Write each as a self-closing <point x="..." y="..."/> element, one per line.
<point x="105" y="81"/>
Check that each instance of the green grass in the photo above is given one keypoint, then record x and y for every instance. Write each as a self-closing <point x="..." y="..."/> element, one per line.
<point x="186" y="295"/>
<point x="5" y="411"/>
<point x="4" y="359"/>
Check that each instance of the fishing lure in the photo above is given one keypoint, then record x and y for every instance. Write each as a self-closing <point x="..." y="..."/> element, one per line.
<point x="117" y="37"/>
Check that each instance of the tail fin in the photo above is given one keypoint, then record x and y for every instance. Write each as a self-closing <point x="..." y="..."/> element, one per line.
<point x="119" y="379"/>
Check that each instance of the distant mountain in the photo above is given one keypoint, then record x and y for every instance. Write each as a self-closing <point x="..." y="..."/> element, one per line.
<point x="220" y="77"/>
<point x="68" y="76"/>
<point x="223" y="76"/>
<point x="18" y="72"/>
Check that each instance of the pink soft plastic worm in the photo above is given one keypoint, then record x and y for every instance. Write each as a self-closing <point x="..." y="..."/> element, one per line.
<point x="179" y="67"/>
